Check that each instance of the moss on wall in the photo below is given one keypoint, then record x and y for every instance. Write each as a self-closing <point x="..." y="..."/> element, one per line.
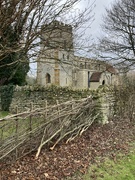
<point x="22" y="97"/>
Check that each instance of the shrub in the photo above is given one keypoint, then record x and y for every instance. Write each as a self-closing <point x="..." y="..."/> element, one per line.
<point x="6" y="93"/>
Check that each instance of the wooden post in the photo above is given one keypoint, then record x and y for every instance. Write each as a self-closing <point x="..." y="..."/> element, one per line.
<point x="57" y="102"/>
<point x="16" y="109"/>
<point x="2" y="133"/>
<point x="60" y="122"/>
<point x="31" y="108"/>
<point x="30" y="123"/>
<point x="72" y="106"/>
<point x="16" y="133"/>
<point x="46" y="110"/>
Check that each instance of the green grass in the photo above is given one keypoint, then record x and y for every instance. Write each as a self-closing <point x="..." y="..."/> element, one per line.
<point x="122" y="169"/>
<point x="3" y="113"/>
<point x="17" y="126"/>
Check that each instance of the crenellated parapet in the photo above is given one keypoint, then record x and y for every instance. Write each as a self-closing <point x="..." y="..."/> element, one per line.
<point x="57" y="35"/>
<point x="59" y="25"/>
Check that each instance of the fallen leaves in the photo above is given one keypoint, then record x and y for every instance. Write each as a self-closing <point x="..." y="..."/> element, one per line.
<point x="77" y="155"/>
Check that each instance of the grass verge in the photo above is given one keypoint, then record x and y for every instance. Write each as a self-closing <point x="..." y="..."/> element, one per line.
<point x="3" y="113"/>
<point x="123" y="168"/>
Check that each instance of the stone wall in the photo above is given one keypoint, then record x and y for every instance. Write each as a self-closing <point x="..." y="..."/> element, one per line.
<point x="24" y="96"/>
<point x="107" y="102"/>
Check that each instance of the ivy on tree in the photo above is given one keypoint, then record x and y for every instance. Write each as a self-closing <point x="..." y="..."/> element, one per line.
<point x="14" y="66"/>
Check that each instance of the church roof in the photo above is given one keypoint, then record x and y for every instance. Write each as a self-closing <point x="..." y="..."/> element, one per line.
<point x="111" y="69"/>
<point x="95" y="77"/>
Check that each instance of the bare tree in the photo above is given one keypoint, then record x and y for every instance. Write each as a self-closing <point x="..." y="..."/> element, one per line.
<point x="118" y="42"/>
<point x="21" y="24"/>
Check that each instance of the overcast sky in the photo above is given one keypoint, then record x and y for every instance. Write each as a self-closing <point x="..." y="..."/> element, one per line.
<point x="99" y="11"/>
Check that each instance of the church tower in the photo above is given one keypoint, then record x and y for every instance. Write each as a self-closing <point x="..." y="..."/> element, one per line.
<point x="54" y="65"/>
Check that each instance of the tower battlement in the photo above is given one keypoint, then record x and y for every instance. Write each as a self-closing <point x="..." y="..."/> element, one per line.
<point x="57" y="34"/>
<point x="60" y="25"/>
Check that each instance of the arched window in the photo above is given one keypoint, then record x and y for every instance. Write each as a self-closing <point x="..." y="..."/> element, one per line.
<point x="48" y="78"/>
<point x="81" y="66"/>
<point x="103" y="82"/>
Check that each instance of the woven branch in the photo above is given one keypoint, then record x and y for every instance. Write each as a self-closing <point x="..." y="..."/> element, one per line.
<point x="34" y="129"/>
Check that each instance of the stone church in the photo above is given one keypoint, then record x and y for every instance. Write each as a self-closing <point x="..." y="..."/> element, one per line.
<point x="58" y="65"/>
